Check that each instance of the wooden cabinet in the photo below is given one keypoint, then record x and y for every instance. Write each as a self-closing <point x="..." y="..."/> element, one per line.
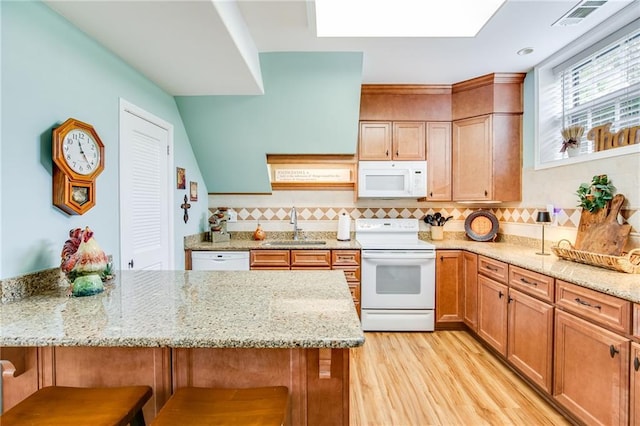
<point x="470" y="289"/>
<point x="634" y="387"/>
<point x="530" y="337"/>
<point x="449" y="303"/>
<point x="492" y="313"/>
<point x="386" y="140"/>
<point x="347" y="261"/>
<point x="533" y="283"/>
<point x="269" y="259"/>
<point x="438" y="161"/>
<point x="591" y="371"/>
<point x="310" y="259"/>
<point x="487" y="158"/>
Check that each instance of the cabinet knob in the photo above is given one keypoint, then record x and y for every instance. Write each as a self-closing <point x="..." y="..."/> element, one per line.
<point x="509" y="299"/>
<point x="500" y="294"/>
<point x="397" y="152"/>
<point x="636" y="363"/>
<point x="613" y="351"/>
<point x="431" y="194"/>
<point x="386" y="153"/>
<point x="486" y="193"/>
<point x="441" y="258"/>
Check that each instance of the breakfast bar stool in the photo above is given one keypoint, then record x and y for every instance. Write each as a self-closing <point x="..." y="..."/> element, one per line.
<point x="213" y="406"/>
<point x="59" y="405"/>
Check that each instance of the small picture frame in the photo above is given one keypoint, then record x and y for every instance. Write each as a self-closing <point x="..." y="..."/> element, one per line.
<point x="181" y="179"/>
<point x="193" y="191"/>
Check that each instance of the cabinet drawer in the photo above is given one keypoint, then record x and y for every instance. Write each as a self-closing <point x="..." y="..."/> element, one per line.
<point x="532" y="283"/>
<point x="269" y="259"/>
<point x="345" y="258"/>
<point x="607" y="310"/>
<point x="355" y="292"/>
<point x="495" y="269"/>
<point x="311" y="258"/>
<point x="352" y="273"/>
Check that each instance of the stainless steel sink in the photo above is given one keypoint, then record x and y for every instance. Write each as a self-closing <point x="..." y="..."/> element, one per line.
<point x="294" y="243"/>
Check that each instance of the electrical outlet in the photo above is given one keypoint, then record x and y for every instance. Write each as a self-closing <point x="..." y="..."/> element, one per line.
<point x="233" y="216"/>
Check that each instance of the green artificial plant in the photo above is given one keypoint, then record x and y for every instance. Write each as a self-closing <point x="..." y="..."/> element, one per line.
<point x="597" y="194"/>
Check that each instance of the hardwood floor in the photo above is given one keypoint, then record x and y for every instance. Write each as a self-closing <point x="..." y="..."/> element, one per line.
<point x="441" y="378"/>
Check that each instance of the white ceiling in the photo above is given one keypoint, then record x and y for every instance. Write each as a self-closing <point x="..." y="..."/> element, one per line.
<point x="210" y="47"/>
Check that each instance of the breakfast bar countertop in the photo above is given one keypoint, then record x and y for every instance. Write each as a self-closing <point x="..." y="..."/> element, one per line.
<point x="205" y="309"/>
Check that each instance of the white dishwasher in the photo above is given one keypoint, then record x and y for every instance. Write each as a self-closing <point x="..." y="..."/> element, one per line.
<point x="220" y="260"/>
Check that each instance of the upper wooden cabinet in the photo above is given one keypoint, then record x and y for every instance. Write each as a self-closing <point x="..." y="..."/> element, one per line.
<point x="387" y="140"/>
<point x="488" y="94"/>
<point x="487" y="158"/>
<point x="438" y="161"/>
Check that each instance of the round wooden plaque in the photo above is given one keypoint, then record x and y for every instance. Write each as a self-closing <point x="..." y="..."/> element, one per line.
<point x="481" y="225"/>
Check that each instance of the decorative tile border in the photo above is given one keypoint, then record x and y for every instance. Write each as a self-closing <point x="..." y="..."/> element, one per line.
<point x="566" y="217"/>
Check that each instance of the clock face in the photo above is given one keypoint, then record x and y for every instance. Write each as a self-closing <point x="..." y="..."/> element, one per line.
<point x="81" y="152"/>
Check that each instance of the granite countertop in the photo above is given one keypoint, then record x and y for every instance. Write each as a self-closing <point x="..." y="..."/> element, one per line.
<point x="620" y="284"/>
<point x="243" y="245"/>
<point x="212" y="309"/>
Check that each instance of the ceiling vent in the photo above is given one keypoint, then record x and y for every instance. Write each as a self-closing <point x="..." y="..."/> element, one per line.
<point x="579" y="12"/>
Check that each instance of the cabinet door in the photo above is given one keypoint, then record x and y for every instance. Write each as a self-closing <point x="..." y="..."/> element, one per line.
<point x="438" y="161"/>
<point x="374" y="140"/>
<point x="472" y="159"/>
<point x="448" y="288"/>
<point x="492" y="313"/>
<point x="591" y="371"/>
<point x="311" y="259"/>
<point x="470" y="286"/>
<point x="530" y="341"/>
<point x="269" y="259"/>
<point x="634" y="401"/>
<point x="408" y="140"/>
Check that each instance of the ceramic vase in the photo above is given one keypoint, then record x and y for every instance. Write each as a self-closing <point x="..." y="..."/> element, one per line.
<point x="437" y="232"/>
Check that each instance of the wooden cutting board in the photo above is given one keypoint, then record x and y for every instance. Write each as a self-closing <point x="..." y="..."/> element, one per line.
<point x="606" y="235"/>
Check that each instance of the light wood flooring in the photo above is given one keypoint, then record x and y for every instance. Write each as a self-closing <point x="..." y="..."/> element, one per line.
<point x="440" y="378"/>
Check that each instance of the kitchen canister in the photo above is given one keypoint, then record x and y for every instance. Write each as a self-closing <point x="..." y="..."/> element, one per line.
<point x="344" y="227"/>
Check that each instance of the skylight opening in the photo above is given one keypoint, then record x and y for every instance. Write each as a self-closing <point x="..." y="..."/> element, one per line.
<point x="403" y="18"/>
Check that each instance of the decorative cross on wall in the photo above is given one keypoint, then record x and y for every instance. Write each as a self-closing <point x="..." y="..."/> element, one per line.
<point x="185" y="206"/>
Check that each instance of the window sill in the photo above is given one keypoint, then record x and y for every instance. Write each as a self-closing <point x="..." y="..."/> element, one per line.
<point x="615" y="152"/>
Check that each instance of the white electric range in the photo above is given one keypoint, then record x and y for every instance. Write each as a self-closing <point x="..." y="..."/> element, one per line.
<point x="398" y="276"/>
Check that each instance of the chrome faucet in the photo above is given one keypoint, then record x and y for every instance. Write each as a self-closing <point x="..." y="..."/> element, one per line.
<point x="294" y="222"/>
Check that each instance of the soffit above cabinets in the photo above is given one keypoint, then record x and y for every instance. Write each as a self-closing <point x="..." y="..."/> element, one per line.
<point x="210" y="47"/>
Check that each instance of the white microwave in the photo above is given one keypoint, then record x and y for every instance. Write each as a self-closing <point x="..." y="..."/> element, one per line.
<point x="392" y="179"/>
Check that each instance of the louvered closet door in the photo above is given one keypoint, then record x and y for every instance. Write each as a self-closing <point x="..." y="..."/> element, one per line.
<point x="144" y="194"/>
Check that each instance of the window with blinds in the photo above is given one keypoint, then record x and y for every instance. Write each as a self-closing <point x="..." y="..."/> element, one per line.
<point x="599" y="88"/>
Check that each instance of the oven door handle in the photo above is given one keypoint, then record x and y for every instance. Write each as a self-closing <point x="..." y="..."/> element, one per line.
<point x="397" y="255"/>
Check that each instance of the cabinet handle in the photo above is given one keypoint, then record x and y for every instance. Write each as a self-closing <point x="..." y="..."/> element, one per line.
<point x="509" y="299"/>
<point x="441" y="258"/>
<point x="485" y="193"/>
<point x="585" y="303"/>
<point x="500" y="294"/>
<point x="397" y="152"/>
<point x="386" y="154"/>
<point x="431" y="194"/>
<point x="491" y="269"/>
<point x="131" y="264"/>
<point x="636" y="363"/>
<point x="613" y="351"/>
<point x="528" y="282"/>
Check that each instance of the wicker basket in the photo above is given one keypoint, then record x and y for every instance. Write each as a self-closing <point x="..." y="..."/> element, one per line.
<point x="629" y="263"/>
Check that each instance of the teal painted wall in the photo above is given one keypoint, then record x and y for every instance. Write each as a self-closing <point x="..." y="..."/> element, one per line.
<point x="311" y="105"/>
<point x="52" y="71"/>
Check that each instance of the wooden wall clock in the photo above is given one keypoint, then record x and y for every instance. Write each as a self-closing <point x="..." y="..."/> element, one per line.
<point x="78" y="159"/>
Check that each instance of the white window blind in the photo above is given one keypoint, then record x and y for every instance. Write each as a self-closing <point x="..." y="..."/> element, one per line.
<point x="602" y="87"/>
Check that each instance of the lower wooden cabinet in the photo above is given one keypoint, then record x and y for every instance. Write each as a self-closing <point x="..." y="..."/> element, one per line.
<point x="530" y="337"/>
<point x="591" y="371"/>
<point x="345" y="260"/>
<point x="492" y="313"/>
<point x="634" y="387"/>
<point x="449" y="308"/>
<point x="470" y="289"/>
